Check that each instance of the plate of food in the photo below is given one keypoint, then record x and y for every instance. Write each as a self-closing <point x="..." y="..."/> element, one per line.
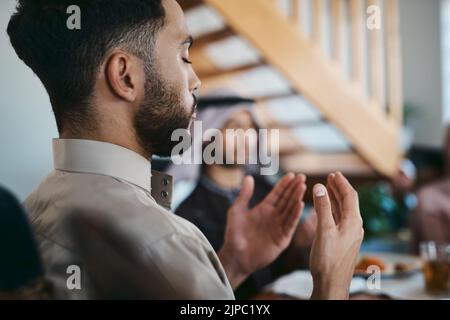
<point x="389" y="264"/>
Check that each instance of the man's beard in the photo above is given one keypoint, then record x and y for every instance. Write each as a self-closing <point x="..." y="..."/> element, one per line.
<point x="161" y="113"/>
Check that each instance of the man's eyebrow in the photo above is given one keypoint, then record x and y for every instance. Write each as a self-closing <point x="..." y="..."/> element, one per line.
<point x="189" y="40"/>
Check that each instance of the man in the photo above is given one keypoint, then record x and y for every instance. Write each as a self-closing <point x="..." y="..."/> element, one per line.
<point x="119" y="86"/>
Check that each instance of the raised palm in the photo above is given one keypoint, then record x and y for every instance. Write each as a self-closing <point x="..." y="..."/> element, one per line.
<point x="260" y="234"/>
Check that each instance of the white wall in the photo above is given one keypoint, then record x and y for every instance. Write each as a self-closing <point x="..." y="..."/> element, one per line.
<point x="422" y="65"/>
<point x="445" y="15"/>
<point x="26" y="119"/>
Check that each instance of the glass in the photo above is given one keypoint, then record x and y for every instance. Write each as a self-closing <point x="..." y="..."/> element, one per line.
<point x="436" y="267"/>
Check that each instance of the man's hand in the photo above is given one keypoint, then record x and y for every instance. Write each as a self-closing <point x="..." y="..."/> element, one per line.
<point x="338" y="239"/>
<point x="255" y="237"/>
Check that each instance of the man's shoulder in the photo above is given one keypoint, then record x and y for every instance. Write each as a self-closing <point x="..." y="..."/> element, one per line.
<point x="61" y="191"/>
<point x="64" y="192"/>
<point x="174" y="249"/>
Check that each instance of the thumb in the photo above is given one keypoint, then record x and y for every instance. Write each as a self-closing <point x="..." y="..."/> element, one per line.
<point x="246" y="192"/>
<point x="322" y="206"/>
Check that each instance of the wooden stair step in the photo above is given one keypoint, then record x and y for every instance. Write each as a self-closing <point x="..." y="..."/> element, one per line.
<point x="321" y="164"/>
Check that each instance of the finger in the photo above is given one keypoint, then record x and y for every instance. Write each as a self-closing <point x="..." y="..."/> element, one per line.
<point x="291" y="223"/>
<point x="297" y="198"/>
<point x="322" y="206"/>
<point x="332" y="194"/>
<point x="331" y="186"/>
<point x="347" y="196"/>
<point x="286" y="194"/>
<point x="312" y="217"/>
<point x="278" y="190"/>
<point x="290" y="195"/>
<point x="246" y="193"/>
<point x="337" y="195"/>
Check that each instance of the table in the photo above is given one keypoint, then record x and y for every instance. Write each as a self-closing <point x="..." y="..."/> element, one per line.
<point x="298" y="285"/>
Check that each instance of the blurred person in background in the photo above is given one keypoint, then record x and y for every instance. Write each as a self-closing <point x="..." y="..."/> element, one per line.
<point x="430" y="221"/>
<point x="21" y="271"/>
<point x="218" y="185"/>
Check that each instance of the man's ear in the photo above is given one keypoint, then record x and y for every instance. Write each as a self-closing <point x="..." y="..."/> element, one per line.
<point x="124" y="75"/>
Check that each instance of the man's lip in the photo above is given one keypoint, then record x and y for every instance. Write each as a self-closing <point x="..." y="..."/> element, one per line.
<point x="194" y="115"/>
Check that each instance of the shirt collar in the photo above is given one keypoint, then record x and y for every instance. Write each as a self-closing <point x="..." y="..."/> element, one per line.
<point x="88" y="156"/>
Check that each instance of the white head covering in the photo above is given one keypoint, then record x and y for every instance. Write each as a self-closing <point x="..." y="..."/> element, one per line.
<point x="212" y="117"/>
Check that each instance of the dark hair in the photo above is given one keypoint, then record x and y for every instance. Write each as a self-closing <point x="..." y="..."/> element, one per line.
<point x="20" y="262"/>
<point x="67" y="61"/>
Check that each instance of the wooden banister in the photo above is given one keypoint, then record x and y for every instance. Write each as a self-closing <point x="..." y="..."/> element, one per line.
<point x="376" y="65"/>
<point x="357" y="42"/>
<point x="395" y="100"/>
<point x="336" y="24"/>
<point x="295" y="11"/>
<point x="317" y="33"/>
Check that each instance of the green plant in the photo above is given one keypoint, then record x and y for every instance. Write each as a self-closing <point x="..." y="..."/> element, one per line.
<point x="410" y="112"/>
<point x="381" y="212"/>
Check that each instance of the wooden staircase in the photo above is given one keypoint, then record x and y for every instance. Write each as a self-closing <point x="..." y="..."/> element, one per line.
<point x="363" y="101"/>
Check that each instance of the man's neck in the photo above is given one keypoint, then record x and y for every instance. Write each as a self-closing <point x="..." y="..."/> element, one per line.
<point x="129" y="142"/>
<point x="226" y="177"/>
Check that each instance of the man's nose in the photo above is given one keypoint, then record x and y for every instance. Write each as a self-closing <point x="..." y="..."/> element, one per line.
<point x="196" y="83"/>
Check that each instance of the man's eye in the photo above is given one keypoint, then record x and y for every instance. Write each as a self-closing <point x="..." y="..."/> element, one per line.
<point x="187" y="61"/>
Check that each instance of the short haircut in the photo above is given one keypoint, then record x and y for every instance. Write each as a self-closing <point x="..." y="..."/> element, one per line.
<point x="67" y="61"/>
